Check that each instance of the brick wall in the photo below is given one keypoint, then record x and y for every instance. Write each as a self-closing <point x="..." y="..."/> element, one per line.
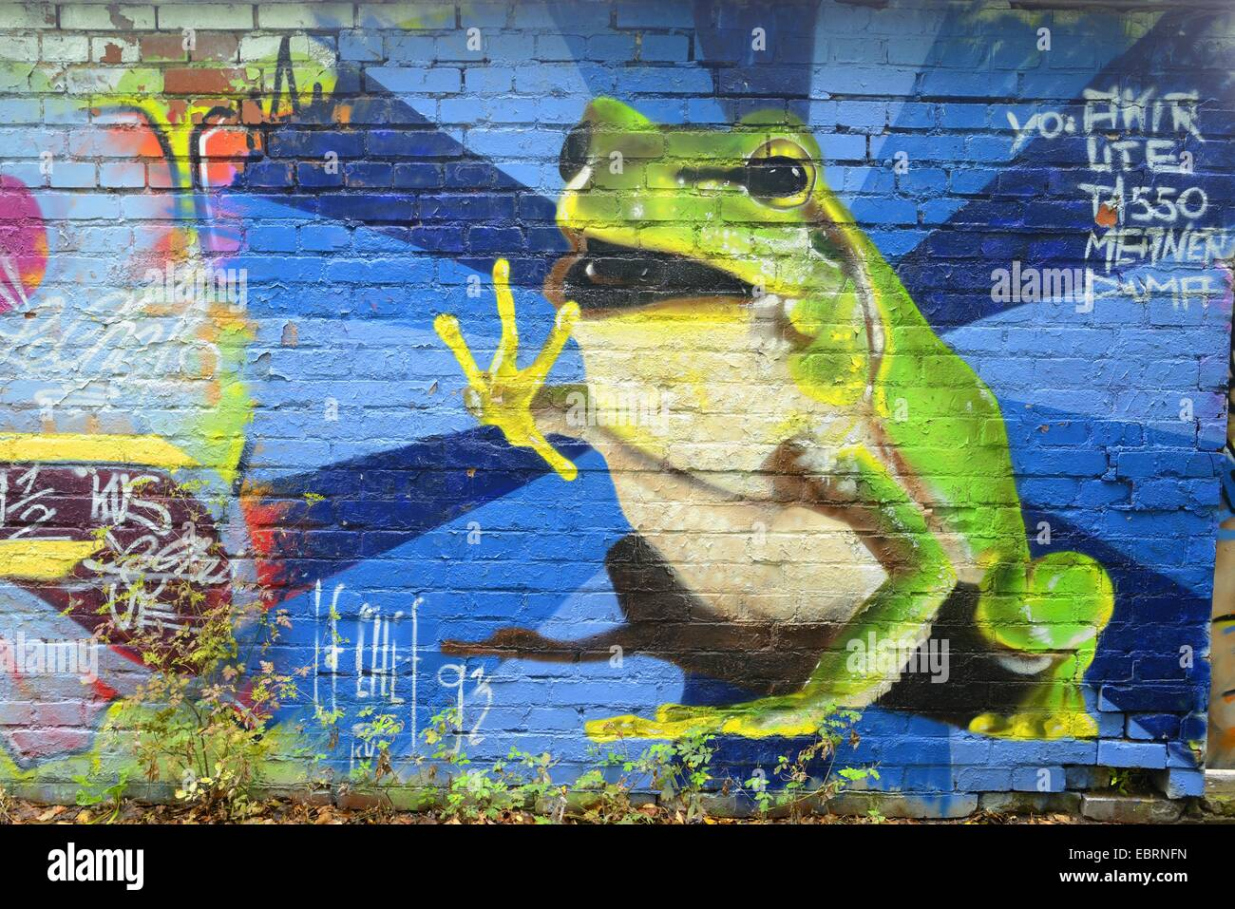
<point x="886" y="359"/>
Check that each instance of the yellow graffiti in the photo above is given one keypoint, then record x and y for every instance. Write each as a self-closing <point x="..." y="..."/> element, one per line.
<point x="43" y="560"/>
<point x="72" y="447"/>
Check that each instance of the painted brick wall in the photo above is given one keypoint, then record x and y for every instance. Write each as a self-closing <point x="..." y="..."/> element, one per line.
<point x="885" y="360"/>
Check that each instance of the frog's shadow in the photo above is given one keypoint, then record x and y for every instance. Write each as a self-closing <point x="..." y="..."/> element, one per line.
<point x="666" y="620"/>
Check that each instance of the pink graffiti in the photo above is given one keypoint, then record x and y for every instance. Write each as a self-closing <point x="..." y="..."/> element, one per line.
<point x="23" y="244"/>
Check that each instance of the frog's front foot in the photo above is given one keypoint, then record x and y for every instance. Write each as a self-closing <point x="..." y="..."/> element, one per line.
<point x="503" y="395"/>
<point x="1066" y="602"/>
<point x="777" y="716"/>
<point x="1055" y="709"/>
<point x="1079" y="725"/>
<point x="673" y="721"/>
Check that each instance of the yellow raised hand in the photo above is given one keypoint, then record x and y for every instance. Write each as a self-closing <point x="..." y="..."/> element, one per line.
<point x="503" y="396"/>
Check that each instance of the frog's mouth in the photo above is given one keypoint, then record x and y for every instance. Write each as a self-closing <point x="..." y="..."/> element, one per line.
<point x="605" y="278"/>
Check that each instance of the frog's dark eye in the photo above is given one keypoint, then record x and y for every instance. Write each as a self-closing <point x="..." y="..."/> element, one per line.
<point x="775" y="178"/>
<point x="780" y="174"/>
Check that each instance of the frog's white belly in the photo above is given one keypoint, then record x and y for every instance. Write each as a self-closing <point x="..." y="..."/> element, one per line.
<point x="750" y="561"/>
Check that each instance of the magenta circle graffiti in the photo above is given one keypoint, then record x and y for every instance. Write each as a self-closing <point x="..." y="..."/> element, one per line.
<point x="23" y="244"/>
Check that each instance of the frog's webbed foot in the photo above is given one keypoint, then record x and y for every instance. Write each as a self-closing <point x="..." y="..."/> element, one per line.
<point x="1074" y="723"/>
<point x="1053" y="709"/>
<point x="672" y="721"/>
<point x="775" y="716"/>
<point x="664" y="726"/>
<point x="503" y="395"/>
<point x="1066" y="601"/>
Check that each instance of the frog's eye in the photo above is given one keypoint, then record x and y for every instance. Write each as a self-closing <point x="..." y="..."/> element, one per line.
<point x="780" y="174"/>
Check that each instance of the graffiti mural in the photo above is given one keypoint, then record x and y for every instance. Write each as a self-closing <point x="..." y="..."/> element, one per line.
<point x="721" y="369"/>
<point x="783" y="295"/>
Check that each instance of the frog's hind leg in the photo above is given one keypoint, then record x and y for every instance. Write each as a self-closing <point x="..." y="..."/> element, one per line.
<point x="895" y="620"/>
<point x="1045" y="622"/>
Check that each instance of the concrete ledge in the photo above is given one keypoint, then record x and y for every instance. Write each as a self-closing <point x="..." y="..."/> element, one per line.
<point x="1220" y="783"/>
<point x="923" y="805"/>
<point x="1031" y="803"/>
<point x="1130" y="809"/>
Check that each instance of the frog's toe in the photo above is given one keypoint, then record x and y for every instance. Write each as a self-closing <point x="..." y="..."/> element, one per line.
<point x="618" y="727"/>
<point x="673" y="721"/>
<point x="987" y="724"/>
<point x="629" y="727"/>
<point x="676" y="714"/>
<point x="1012" y="726"/>
<point x="1077" y="725"/>
<point x="1072" y="725"/>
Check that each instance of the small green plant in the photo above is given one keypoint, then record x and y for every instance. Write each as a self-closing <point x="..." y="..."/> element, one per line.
<point x="112" y="795"/>
<point x="609" y="801"/>
<point x="521" y="783"/>
<point x="199" y="718"/>
<point x="1129" y="780"/>
<point x="807" y="779"/>
<point x="376" y="732"/>
<point x="529" y="775"/>
<point x="328" y="720"/>
<point x="679" y="771"/>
